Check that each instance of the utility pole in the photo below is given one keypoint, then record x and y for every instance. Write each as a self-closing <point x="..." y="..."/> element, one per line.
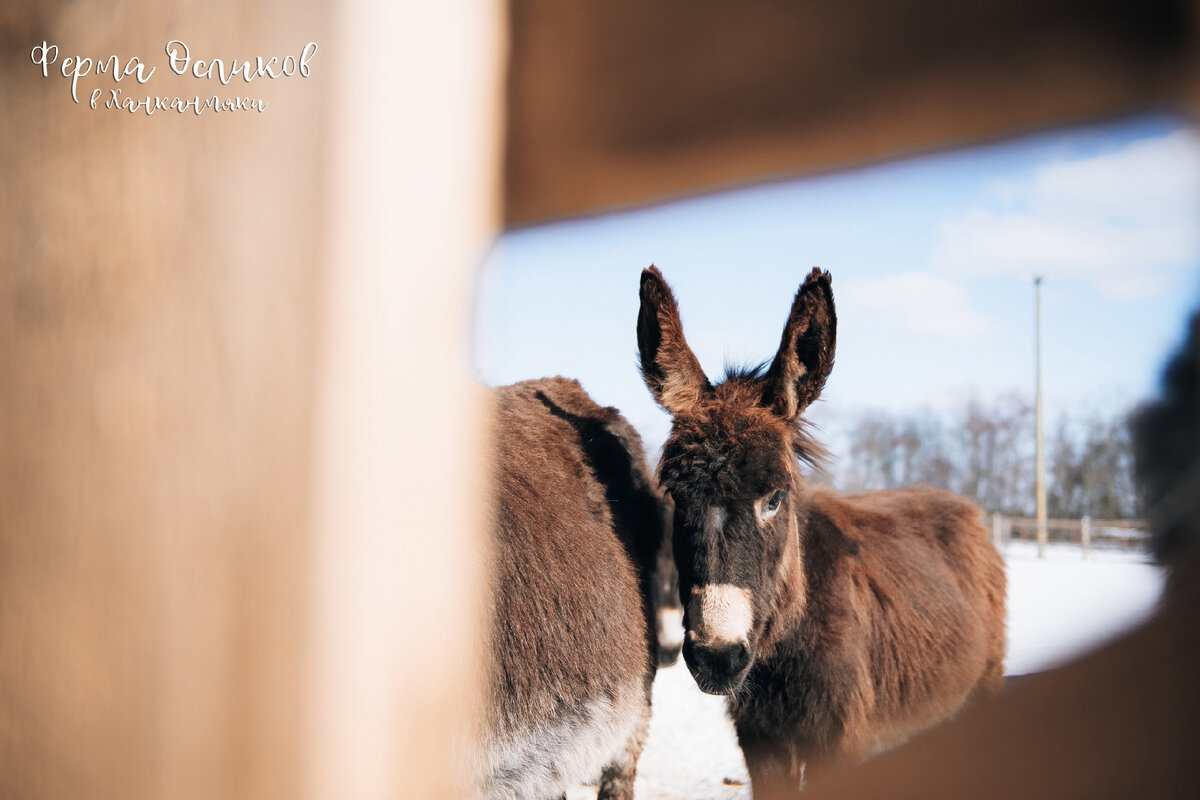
<point x="1040" y="466"/>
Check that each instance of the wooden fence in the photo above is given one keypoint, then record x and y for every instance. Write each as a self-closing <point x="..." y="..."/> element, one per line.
<point x="1125" y="534"/>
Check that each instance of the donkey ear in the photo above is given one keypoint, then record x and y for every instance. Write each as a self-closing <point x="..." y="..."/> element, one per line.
<point x="669" y="367"/>
<point x="805" y="355"/>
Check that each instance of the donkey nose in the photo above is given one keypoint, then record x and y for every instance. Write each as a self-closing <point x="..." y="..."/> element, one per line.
<point x="725" y="660"/>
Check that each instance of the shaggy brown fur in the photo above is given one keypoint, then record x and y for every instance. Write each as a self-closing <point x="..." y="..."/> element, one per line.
<point x="1052" y="734"/>
<point x="577" y="528"/>
<point x="837" y="626"/>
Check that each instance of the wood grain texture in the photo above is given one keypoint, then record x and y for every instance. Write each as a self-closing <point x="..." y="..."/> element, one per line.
<point x="206" y="434"/>
<point x="618" y="103"/>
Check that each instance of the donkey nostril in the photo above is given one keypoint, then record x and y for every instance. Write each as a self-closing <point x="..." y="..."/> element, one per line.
<point x="726" y="660"/>
<point x="733" y="658"/>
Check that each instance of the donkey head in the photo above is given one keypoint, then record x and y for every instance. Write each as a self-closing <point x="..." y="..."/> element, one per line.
<point x="730" y="464"/>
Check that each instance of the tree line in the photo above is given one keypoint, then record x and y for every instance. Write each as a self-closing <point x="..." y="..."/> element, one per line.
<point x="985" y="451"/>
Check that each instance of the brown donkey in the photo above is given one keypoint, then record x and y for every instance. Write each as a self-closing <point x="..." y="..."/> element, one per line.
<point x="837" y="626"/>
<point x="577" y="526"/>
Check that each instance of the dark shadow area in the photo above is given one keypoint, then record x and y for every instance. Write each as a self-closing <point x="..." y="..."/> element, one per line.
<point x="634" y="505"/>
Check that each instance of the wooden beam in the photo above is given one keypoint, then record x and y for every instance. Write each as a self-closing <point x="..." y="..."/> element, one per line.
<point x="616" y="102"/>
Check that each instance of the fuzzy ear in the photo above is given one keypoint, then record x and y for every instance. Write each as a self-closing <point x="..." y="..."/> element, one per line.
<point x="805" y="355"/>
<point x="669" y="367"/>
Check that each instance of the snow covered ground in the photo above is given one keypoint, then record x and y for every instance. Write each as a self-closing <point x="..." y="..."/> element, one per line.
<point x="1063" y="604"/>
<point x="1058" y="607"/>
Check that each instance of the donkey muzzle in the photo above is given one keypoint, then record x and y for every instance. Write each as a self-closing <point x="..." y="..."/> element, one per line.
<point x="717" y="670"/>
<point x="716" y="647"/>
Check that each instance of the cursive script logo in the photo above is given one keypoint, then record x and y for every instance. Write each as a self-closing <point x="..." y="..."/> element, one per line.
<point x="181" y="57"/>
<point x="180" y="61"/>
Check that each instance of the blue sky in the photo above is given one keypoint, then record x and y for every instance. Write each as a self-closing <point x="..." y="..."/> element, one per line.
<point x="932" y="261"/>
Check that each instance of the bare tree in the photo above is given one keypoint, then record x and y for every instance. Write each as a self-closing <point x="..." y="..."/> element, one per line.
<point x="984" y="451"/>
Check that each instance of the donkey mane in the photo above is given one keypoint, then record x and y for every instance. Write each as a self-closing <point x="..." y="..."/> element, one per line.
<point x="744" y="381"/>
<point x="745" y="372"/>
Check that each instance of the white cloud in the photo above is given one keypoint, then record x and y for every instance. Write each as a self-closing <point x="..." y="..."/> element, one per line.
<point x="918" y="302"/>
<point x="1123" y="221"/>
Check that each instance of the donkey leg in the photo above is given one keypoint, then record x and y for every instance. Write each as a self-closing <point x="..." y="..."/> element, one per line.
<point x="992" y="682"/>
<point x="616" y="781"/>
<point x="774" y="771"/>
<point x="773" y="778"/>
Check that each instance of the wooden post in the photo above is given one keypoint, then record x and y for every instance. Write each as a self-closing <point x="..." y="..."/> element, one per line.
<point x="241" y="481"/>
<point x="997" y="527"/>
<point x="400" y="473"/>
<point x="1085" y="535"/>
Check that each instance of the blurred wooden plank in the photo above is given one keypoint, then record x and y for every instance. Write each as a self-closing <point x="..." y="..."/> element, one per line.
<point x="213" y="533"/>
<point x="618" y="103"/>
<point x="399" y="567"/>
<point x="157" y="318"/>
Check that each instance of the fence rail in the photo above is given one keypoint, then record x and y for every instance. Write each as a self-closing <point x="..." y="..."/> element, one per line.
<point x="1110" y="533"/>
